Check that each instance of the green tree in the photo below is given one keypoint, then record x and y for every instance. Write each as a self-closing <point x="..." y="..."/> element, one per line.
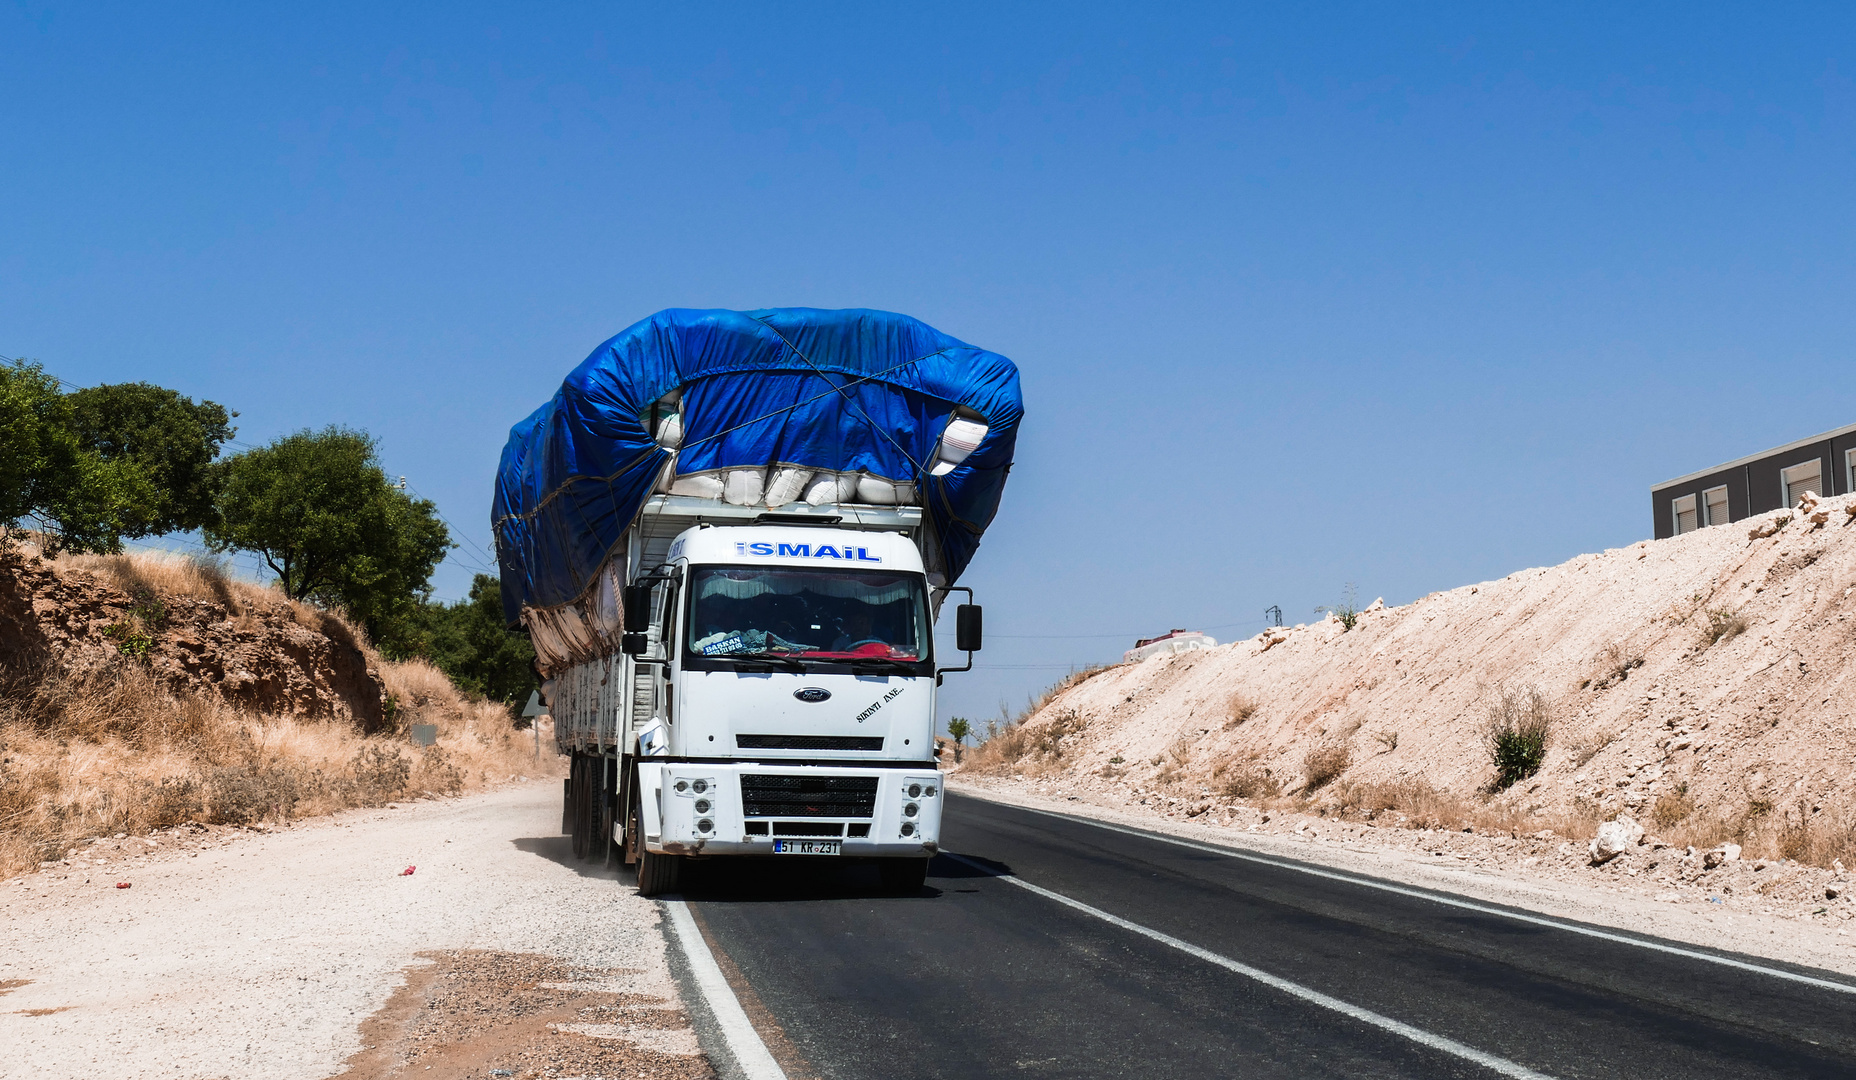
<point x="169" y="439"/>
<point x="469" y="643"/>
<point x="80" y="500"/>
<point x="959" y="728"/>
<point x="317" y="507"/>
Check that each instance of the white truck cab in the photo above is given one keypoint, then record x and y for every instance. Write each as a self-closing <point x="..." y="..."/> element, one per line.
<point x="780" y="699"/>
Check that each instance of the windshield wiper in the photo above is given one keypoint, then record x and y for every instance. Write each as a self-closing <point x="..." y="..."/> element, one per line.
<point x="885" y="663"/>
<point x="765" y="658"/>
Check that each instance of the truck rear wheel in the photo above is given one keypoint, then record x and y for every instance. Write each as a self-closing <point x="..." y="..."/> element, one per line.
<point x="579" y="800"/>
<point x="903" y="876"/>
<point x="659" y="874"/>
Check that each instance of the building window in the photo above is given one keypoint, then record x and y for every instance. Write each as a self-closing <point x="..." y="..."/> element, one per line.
<point x="1685" y="515"/>
<point x="1800" y="478"/>
<point x="1849" y="465"/>
<point x="1714" y="506"/>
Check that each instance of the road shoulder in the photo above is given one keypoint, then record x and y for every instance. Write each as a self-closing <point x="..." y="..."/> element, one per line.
<point x="1408" y="857"/>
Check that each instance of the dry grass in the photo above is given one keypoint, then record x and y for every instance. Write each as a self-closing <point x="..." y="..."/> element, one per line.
<point x="1815" y="837"/>
<point x="1174" y="762"/>
<point x="1615" y="664"/>
<point x="1722" y="625"/>
<point x="1415" y="804"/>
<point x="1245" y="780"/>
<point x="1323" y="765"/>
<point x="198" y="577"/>
<point x="1034" y="747"/>
<point x="114" y="749"/>
<point x="1672" y="808"/>
<point x="1023" y="742"/>
<point x="1239" y="709"/>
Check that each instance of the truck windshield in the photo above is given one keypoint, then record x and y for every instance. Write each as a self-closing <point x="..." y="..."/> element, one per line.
<point x="808" y="614"/>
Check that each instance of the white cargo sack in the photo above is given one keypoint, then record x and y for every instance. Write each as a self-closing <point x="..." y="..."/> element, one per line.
<point x="743" y="487"/>
<point x="700" y="486"/>
<point x="880" y="492"/>
<point x="788" y="484"/>
<point x="831" y="487"/>
<point x="670" y="431"/>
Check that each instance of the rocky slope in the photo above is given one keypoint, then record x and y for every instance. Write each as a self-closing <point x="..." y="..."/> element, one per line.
<point x="194" y="629"/>
<point x="1701" y="684"/>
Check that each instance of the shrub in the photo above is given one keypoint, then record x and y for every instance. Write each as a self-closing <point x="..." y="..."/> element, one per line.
<point x="1723" y="625"/>
<point x="1519" y="721"/>
<point x="1324" y="764"/>
<point x="1239" y="709"/>
<point x="243" y="794"/>
<point x="1245" y="782"/>
<point x="1387" y="739"/>
<point x="378" y="775"/>
<point x="436" y="773"/>
<point x="1672" y="807"/>
<point x="1614" y="666"/>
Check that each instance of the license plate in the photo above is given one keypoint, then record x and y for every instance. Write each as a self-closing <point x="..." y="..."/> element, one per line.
<point x="806" y="847"/>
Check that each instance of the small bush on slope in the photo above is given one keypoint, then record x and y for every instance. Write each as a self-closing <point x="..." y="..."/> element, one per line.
<point x="1519" y="720"/>
<point x="1323" y="764"/>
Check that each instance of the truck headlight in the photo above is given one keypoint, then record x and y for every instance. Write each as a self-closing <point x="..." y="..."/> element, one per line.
<point x="911" y="810"/>
<point x="915" y="791"/>
<point x="705" y="825"/>
<point x="908" y="828"/>
<point x="702" y="805"/>
<point x="700" y="786"/>
<point x="682" y="786"/>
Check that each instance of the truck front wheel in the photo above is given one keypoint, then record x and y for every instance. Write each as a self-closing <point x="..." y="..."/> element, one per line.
<point x="659" y="874"/>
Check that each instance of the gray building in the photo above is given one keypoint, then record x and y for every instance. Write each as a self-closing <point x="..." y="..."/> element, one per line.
<point x="1766" y="481"/>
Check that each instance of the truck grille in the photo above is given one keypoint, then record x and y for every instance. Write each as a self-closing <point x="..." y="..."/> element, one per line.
<point x="808" y="828"/>
<point x="809" y="742"/>
<point x="807" y="796"/>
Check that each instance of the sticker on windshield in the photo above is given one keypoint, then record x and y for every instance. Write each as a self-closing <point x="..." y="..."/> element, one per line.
<point x="749" y="641"/>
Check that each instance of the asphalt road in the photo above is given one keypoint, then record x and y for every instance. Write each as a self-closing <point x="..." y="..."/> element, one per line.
<point x="1218" y="966"/>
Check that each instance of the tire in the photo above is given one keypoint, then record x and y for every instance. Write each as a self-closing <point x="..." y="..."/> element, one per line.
<point x="904" y="877"/>
<point x="659" y="874"/>
<point x="634" y="826"/>
<point x="577" y="808"/>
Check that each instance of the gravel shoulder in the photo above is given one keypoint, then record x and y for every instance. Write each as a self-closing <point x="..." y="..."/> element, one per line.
<point x="262" y="954"/>
<point x="1644" y="891"/>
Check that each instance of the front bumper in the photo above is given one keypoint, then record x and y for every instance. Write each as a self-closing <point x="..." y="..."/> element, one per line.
<point x="674" y="821"/>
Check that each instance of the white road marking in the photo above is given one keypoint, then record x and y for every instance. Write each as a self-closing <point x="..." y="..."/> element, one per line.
<point x="1297" y="990"/>
<point x="743" y="1041"/>
<point x="1467" y="905"/>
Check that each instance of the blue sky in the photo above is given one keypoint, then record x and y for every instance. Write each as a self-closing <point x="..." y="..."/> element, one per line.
<point x="1402" y="295"/>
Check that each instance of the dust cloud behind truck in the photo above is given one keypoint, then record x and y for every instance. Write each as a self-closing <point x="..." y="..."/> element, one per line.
<point x="729" y="535"/>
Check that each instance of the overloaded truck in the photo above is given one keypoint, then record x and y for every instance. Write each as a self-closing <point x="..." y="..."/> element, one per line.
<point x="729" y="536"/>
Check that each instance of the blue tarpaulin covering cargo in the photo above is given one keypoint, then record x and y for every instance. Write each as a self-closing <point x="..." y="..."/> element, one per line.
<point x="855" y="393"/>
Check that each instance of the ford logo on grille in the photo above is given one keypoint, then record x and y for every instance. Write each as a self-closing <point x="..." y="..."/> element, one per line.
<point x="813" y="694"/>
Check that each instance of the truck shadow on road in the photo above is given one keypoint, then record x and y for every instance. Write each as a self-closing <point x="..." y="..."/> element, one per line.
<point x="783" y="880"/>
<point x="560" y="849"/>
<point x="779" y="879"/>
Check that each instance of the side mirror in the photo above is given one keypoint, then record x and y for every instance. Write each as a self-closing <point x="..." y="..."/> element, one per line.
<point x="967" y="632"/>
<point x="637" y="601"/>
<point x="634" y="644"/>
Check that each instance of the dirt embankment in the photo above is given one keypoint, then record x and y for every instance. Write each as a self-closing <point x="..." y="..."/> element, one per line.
<point x="193" y="629"/>
<point x="1700" y="684"/>
<point x="145" y="692"/>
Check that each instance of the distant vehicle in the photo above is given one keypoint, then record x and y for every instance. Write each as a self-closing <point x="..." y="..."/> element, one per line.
<point x="1173" y="641"/>
<point x="729" y="535"/>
